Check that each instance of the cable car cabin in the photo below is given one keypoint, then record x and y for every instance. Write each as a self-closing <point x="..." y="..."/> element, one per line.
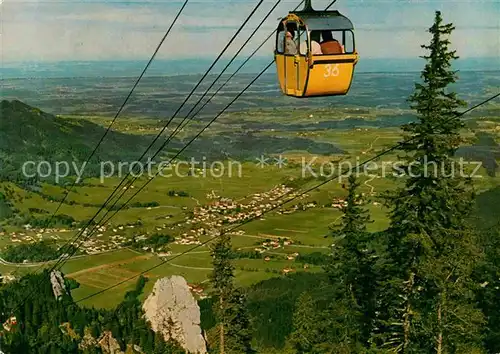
<point x="315" y="53"/>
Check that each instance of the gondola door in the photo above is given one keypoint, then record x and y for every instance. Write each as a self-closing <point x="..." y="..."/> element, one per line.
<point x="302" y="61"/>
<point x="291" y="59"/>
<point x="291" y="56"/>
<point x="279" y="55"/>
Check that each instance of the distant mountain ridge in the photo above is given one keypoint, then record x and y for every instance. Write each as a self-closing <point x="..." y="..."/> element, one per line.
<point x="29" y="134"/>
<point x="132" y="68"/>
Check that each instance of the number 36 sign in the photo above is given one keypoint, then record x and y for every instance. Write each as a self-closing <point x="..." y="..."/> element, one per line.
<point x="331" y="70"/>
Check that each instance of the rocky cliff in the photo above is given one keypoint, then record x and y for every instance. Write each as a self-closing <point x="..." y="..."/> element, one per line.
<point x="58" y="286"/>
<point x="172" y="310"/>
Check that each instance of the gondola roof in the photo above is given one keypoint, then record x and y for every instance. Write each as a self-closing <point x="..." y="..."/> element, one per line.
<point x="321" y="20"/>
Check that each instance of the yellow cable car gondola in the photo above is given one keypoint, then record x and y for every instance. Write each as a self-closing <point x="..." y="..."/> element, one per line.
<point x="315" y="53"/>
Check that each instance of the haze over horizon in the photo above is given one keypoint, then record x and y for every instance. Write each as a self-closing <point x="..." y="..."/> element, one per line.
<point x="132" y="68"/>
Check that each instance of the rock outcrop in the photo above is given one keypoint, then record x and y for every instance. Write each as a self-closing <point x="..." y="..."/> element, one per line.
<point x="58" y="285"/>
<point x="108" y="344"/>
<point x="87" y="341"/>
<point x="173" y="311"/>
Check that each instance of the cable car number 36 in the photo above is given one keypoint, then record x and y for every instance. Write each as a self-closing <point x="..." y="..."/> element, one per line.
<point x="331" y="70"/>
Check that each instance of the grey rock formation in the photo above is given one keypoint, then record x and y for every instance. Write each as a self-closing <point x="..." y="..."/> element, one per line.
<point x="173" y="311"/>
<point x="58" y="286"/>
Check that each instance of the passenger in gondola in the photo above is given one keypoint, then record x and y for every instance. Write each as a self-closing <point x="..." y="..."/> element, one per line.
<point x="315" y="47"/>
<point x="290" y="45"/>
<point x="330" y="45"/>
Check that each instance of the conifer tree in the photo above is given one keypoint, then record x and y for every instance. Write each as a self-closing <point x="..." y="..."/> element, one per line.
<point x="426" y="303"/>
<point x="222" y="280"/>
<point x="234" y="326"/>
<point x="239" y="337"/>
<point x="488" y="276"/>
<point x="352" y="267"/>
<point x="304" y="334"/>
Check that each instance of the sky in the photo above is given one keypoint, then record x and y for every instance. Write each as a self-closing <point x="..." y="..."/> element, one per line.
<point x="67" y="30"/>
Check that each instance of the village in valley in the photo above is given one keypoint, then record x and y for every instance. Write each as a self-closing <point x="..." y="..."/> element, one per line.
<point x="203" y="220"/>
<point x="200" y="223"/>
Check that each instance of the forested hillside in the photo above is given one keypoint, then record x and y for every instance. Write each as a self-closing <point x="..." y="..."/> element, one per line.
<point x="44" y="324"/>
<point x="29" y="134"/>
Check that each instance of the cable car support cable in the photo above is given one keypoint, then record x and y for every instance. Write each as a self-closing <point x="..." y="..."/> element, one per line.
<point x="119" y="186"/>
<point x="179" y="127"/>
<point x="129" y="183"/>
<point x="135" y="178"/>
<point x="174" y="132"/>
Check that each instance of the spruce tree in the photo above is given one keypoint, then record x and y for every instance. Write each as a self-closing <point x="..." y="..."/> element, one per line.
<point x="305" y="324"/>
<point x="427" y="297"/>
<point x="234" y="326"/>
<point x="239" y="336"/>
<point x="352" y="267"/>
